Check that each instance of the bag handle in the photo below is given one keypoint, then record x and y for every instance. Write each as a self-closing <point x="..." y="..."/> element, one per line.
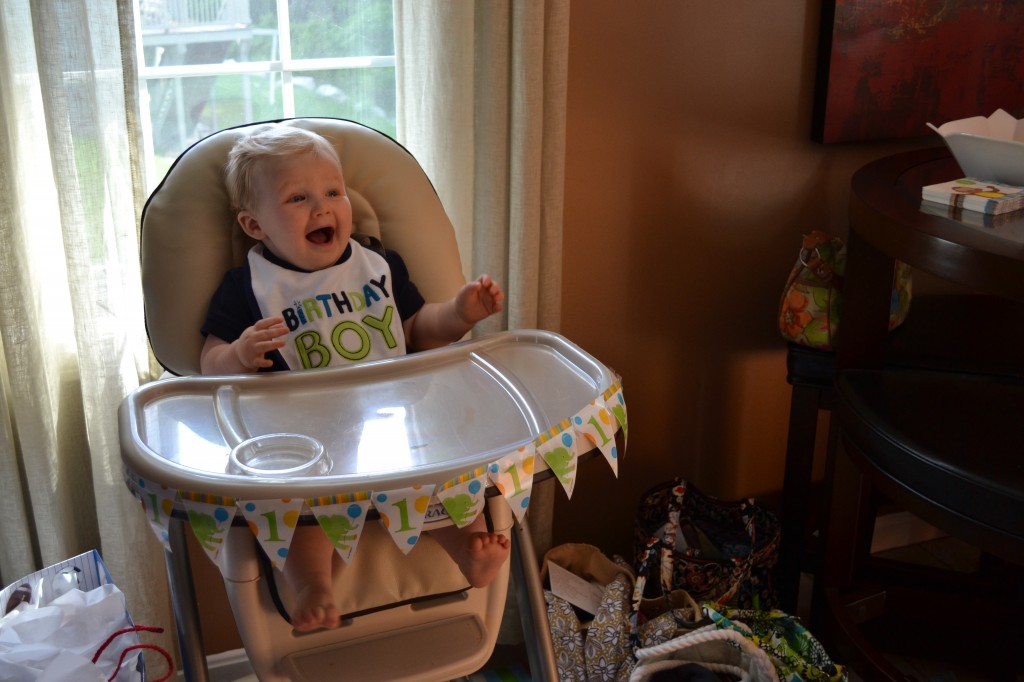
<point x="810" y="255"/>
<point x="135" y="647"/>
<point x="642" y="672"/>
<point x="665" y="545"/>
<point x="758" y="658"/>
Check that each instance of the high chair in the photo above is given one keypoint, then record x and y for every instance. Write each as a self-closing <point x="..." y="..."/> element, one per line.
<point x="406" y="617"/>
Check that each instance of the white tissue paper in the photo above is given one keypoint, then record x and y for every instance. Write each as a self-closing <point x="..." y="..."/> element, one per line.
<point x="56" y="620"/>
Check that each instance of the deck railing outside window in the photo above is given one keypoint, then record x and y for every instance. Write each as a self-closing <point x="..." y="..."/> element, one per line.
<point x="205" y="65"/>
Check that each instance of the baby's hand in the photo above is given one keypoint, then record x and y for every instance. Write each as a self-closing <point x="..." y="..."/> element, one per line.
<point x="258" y="340"/>
<point x="479" y="299"/>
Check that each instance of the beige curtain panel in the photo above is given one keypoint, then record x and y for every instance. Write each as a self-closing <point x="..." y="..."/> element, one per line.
<point x="71" y="326"/>
<point x="481" y="104"/>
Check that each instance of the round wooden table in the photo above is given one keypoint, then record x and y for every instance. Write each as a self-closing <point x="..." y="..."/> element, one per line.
<point x="946" y="444"/>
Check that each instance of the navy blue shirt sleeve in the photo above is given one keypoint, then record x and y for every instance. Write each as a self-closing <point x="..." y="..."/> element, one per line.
<point x="407" y="296"/>
<point x="232" y="307"/>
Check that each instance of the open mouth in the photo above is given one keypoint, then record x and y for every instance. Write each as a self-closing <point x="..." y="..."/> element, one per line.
<point x="322" y="236"/>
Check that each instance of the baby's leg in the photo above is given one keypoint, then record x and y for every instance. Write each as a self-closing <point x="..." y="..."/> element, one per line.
<point x="308" y="572"/>
<point x="478" y="553"/>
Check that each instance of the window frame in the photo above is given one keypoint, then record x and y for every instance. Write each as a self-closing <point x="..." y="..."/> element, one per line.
<point x="285" y="67"/>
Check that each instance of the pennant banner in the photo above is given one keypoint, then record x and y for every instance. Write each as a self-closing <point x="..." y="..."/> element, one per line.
<point x="158" y="502"/>
<point x="463" y="497"/>
<point x="596" y="424"/>
<point x="402" y="512"/>
<point x="617" y="405"/>
<point x="210" y="517"/>
<point x="273" y="523"/>
<point x="512" y="475"/>
<point x="557" y="447"/>
<point x="342" y="518"/>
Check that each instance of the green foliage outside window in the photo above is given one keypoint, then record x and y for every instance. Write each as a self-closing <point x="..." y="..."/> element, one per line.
<point x="186" y="110"/>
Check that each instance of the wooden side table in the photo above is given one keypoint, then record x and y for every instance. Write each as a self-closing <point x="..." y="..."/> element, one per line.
<point x="947" y="445"/>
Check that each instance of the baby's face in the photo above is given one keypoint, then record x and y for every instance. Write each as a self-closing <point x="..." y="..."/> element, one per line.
<point x="302" y="211"/>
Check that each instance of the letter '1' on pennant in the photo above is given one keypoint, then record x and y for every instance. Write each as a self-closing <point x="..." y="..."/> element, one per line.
<point x="512" y="475"/>
<point x="273" y="523"/>
<point x="158" y="502"/>
<point x="402" y="511"/>
<point x="596" y="425"/>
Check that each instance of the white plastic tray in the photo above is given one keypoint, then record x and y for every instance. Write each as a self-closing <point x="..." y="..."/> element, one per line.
<point x="419" y="419"/>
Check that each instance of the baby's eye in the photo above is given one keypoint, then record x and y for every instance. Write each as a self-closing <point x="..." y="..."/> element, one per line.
<point x="334" y="193"/>
<point x="294" y="199"/>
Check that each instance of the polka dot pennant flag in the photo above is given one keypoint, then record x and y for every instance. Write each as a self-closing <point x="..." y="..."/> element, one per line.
<point x="596" y="425"/>
<point x="210" y="517"/>
<point x="342" y="518"/>
<point x="402" y="511"/>
<point x="512" y="475"/>
<point x="463" y="497"/>
<point x="557" y="447"/>
<point x="273" y="523"/>
<point x="616" y="404"/>
<point x="158" y="502"/>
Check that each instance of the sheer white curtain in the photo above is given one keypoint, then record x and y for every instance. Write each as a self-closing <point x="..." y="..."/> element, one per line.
<point x="72" y="339"/>
<point x="481" y="104"/>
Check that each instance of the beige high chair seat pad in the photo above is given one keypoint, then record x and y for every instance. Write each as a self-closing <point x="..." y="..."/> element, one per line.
<point x="190" y="237"/>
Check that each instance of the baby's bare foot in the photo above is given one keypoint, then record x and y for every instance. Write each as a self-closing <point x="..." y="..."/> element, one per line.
<point x="314" y="608"/>
<point x="483" y="556"/>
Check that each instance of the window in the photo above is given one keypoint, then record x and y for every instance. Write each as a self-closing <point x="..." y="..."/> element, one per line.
<point x="205" y="65"/>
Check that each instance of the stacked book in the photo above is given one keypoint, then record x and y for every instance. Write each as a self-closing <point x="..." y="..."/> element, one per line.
<point x="974" y="218"/>
<point x="973" y="194"/>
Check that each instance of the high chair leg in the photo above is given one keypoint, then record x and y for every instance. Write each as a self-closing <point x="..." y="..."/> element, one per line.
<point x="183" y="601"/>
<point x="532" y="608"/>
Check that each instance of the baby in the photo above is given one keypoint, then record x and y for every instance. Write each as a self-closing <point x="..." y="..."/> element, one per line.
<point x="289" y="307"/>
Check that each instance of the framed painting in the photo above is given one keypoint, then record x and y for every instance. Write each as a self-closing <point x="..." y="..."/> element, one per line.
<point x="888" y="67"/>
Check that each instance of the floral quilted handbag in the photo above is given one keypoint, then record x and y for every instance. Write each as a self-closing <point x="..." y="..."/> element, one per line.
<point x="793" y="650"/>
<point x="812" y="300"/>
<point x="718" y="551"/>
<point x="601" y="649"/>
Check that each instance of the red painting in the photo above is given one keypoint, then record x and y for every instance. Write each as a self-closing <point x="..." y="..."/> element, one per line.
<point x="888" y="67"/>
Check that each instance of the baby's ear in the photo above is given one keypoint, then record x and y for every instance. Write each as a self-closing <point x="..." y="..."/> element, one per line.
<point x="250" y="225"/>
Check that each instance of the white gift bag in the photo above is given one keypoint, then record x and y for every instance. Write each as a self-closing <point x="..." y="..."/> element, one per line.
<point x="69" y="623"/>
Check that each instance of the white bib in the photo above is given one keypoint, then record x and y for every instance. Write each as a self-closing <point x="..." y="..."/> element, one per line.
<point x="344" y="313"/>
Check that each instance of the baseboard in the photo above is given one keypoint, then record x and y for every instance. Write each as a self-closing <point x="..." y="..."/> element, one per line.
<point x="227" y="666"/>
<point x="899" y="529"/>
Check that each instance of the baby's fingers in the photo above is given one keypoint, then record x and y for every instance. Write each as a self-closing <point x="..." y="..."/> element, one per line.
<point x="490" y="293"/>
<point x="270" y="327"/>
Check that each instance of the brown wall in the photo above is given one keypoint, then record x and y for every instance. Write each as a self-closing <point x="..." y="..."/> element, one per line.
<point x="690" y="177"/>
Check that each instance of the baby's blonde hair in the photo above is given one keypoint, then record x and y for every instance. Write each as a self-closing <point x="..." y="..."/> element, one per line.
<point x="267" y="141"/>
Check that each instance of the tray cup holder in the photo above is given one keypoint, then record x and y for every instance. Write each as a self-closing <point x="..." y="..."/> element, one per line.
<point x="280" y="455"/>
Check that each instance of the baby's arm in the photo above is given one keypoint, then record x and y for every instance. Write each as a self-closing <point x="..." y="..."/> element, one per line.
<point x="438" y="324"/>
<point x="245" y="354"/>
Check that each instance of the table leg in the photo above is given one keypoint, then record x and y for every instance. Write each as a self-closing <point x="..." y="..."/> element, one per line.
<point x="183" y="603"/>
<point x="867" y="291"/>
<point x="532" y="607"/>
<point x="796" y="491"/>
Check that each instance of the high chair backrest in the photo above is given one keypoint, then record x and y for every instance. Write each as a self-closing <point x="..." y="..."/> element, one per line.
<point x="190" y="237"/>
